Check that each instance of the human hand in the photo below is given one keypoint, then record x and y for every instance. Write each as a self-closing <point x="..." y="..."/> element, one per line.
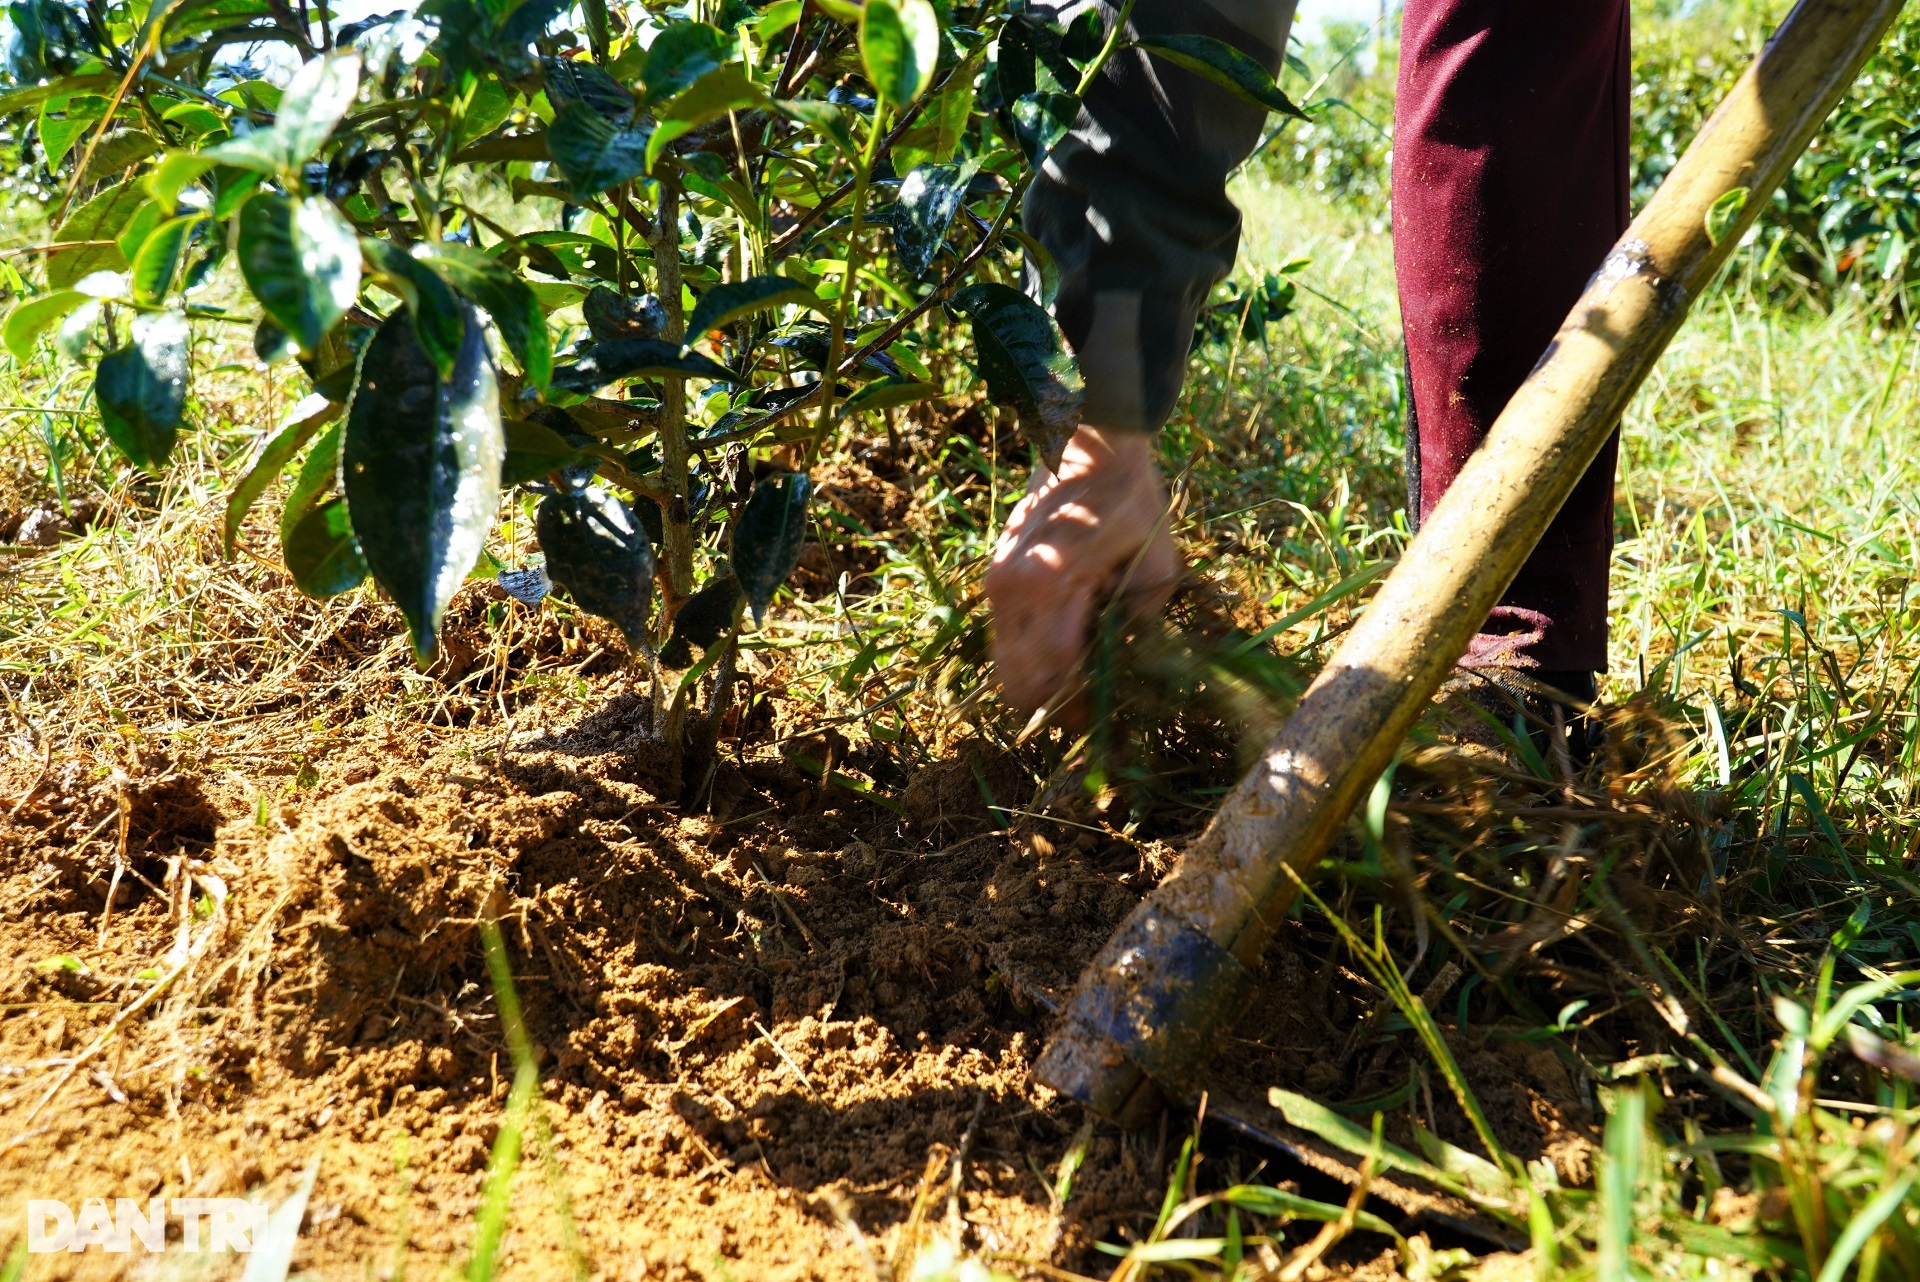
<point x="1095" y="529"/>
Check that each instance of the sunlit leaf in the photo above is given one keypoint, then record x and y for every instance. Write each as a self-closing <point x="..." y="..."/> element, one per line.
<point x="319" y="473"/>
<point x="142" y="389"/>
<point x="929" y="199"/>
<point x="486" y="282"/>
<point x="943" y="122"/>
<point x="118" y="151"/>
<point x="1226" y="66"/>
<point x="299" y="426"/>
<point x="887" y="392"/>
<point x="92" y="229"/>
<point x="1041" y="120"/>
<point x="32" y="317"/>
<point x="712" y="96"/>
<point x="301" y="259"/>
<point x="680" y="55"/>
<point x="438" y="319"/>
<point x="420" y="463"/>
<point x="899" y="43"/>
<point x="158" y="261"/>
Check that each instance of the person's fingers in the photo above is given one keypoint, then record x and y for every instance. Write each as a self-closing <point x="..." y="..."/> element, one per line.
<point x="1040" y="622"/>
<point x="1149" y="583"/>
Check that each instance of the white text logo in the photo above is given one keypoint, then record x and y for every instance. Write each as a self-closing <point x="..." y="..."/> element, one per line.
<point x="206" y="1224"/>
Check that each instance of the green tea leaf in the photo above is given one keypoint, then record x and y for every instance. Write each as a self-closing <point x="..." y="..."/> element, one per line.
<point x="610" y="316"/>
<point x="312" y="413"/>
<point x="420" y="463"/>
<point x="32" y="317"/>
<point x="1025" y="361"/>
<point x="318" y="475"/>
<point x="572" y="80"/>
<point x="138" y="228"/>
<point x="680" y="55"/>
<point x="116" y="152"/>
<point x="322" y="553"/>
<point x="165" y="180"/>
<point x="887" y="392"/>
<point x="593" y="152"/>
<point x="899" y="43"/>
<point x="486" y="282"/>
<point x="824" y="118"/>
<point x="438" y="320"/>
<point x="929" y="199"/>
<point x="624" y="358"/>
<point x="712" y="96"/>
<point x="943" y="122"/>
<point x="1725" y="212"/>
<point x="597" y="551"/>
<point x="158" y="262"/>
<point x="534" y="451"/>
<point x="708" y="615"/>
<point x="99" y="220"/>
<point x="301" y="259"/>
<point x="1226" y="66"/>
<point x="142" y="389"/>
<point x="769" y="535"/>
<point x="1041" y="120"/>
<point x="722" y="305"/>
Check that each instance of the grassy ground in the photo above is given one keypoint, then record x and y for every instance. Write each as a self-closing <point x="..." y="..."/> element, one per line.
<point x="1716" y="962"/>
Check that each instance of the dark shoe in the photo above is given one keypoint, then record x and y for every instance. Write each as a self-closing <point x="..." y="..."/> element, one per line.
<point x="1552" y="708"/>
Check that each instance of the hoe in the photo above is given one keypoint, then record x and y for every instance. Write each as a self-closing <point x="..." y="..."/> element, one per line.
<point x="1142" y="1021"/>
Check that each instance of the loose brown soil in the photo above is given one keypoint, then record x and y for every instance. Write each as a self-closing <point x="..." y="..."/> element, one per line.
<point x="787" y="1039"/>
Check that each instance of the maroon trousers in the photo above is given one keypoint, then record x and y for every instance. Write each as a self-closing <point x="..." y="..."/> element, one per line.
<point x="1510" y="184"/>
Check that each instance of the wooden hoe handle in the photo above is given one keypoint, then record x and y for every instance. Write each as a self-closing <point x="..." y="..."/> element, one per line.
<point x="1178" y="970"/>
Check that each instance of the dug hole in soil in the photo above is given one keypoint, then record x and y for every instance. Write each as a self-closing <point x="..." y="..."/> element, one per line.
<point x="789" y="1038"/>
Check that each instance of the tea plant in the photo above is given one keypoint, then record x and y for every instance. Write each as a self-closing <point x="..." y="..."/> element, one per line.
<point x="768" y="219"/>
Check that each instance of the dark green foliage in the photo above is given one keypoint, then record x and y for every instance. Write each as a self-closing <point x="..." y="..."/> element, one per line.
<point x="1849" y="213"/>
<point x="595" y="153"/>
<point x="322" y="553"/>
<point x="621" y="358"/>
<point x="769" y="535"/>
<point x="610" y="315"/>
<point x="929" y="198"/>
<point x="1025" y="362"/>
<point x="1223" y="64"/>
<point x="722" y="305"/>
<point x="302" y="261"/>
<point x="1249" y="315"/>
<point x="708" y="615"/>
<point x="597" y="551"/>
<point x="420" y="464"/>
<point x="142" y="389"/>
<point x="1041" y="120"/>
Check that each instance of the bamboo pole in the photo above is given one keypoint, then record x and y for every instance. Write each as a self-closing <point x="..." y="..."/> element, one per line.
<point x="1177" y="970"/>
